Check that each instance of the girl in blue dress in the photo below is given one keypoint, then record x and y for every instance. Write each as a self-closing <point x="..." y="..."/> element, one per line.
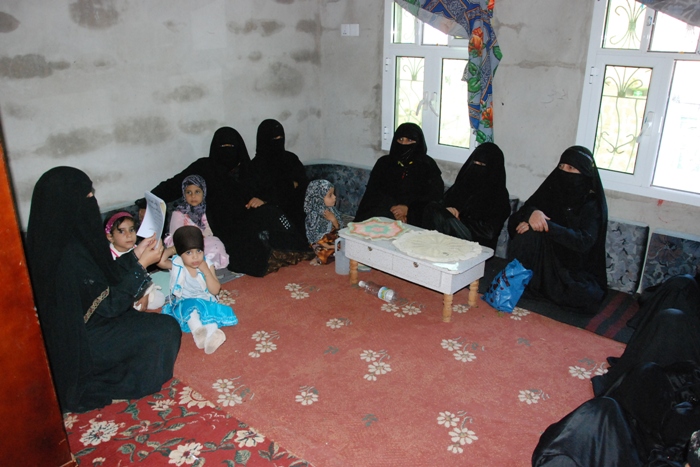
<point x="193" y="284"/>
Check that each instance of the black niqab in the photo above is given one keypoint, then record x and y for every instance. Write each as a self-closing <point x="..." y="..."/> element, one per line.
<point x="403" y="153"/>
<point x="228" y="149"/>
<point x="270" y="138"/>
<point x="480" y="187"/>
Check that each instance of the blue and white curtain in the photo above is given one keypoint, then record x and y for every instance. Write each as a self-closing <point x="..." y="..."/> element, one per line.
<point x="470" y="19"/>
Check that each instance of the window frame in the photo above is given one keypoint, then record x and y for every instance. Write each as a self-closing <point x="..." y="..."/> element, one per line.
<point x="662" y="64"/>
<point x="433" y="56"/>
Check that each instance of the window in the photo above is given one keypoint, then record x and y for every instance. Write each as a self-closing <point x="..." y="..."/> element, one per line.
<point x="422" y="83"/>
<point x="640" y="111"/>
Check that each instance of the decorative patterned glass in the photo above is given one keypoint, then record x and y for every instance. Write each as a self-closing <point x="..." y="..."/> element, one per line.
<point x="623" y="24"/>
<point x="673" y="35"/>
<point x="409" y="90"/>
<point x="454" y="121"/>
<point x="678" y="163"/>
<point x="621" y="117"/>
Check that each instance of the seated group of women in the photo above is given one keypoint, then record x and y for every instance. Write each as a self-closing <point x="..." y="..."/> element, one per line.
<point x="100" y="348"/>
<point x="559" y="232"/>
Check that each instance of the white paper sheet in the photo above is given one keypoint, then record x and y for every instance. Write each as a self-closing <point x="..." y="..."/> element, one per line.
<point x="154" y="220"/>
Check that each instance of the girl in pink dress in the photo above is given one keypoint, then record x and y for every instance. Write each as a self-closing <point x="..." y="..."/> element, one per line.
<point x="192" y="211"/>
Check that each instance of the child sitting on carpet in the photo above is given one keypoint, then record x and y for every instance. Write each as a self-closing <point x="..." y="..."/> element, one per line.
<point x="121" y="233"/>
<point x="192" y="283"/>
<point x="322" y="220"/>
<point x="193" y="211"/>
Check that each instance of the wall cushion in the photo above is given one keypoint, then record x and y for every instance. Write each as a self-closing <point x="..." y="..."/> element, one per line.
<point x="625" y="246"/>
<point x="669" y="254"/>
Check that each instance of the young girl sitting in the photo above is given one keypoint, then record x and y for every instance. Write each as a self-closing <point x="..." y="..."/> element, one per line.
<point x="121" y="233"/>
<point x="322" y="220"/>
<point x="192" y="283"/>
<point x="192" y="211"/>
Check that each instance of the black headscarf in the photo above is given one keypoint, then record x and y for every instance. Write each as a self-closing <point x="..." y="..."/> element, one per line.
<point x="480" y="190"/>
<point x="62" y="212"/>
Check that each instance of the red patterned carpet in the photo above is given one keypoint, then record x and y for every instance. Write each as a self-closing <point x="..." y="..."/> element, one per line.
<point x="175" y="426"/>
<point x="340" y="378"/>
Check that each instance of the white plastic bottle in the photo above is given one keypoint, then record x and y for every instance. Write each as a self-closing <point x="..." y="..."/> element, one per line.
<point x="377" y="290"/>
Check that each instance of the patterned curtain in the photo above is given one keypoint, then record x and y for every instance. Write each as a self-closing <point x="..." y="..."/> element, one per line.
<point x="684" y="10"/>
<point x="470" y="19"/>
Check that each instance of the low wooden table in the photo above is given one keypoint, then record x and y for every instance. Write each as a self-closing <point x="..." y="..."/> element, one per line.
<point x="382" y="255"/>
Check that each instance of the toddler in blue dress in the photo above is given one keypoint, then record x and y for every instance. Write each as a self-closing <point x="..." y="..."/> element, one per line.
<point x="193" y="284"/>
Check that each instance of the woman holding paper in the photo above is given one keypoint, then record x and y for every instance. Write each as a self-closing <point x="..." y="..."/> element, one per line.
<point x="99" y="347"/>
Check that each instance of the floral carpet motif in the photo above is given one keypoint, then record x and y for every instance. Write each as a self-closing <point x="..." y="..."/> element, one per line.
<point x="342" y="378"/>
<point x="176" y="426"/>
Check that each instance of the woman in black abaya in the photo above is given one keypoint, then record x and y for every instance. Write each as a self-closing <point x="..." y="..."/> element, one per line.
<point x="100" y="348"/>
<point x="477" y="205"/>
<point x="647" y="404"/>
<point x="403" y="182"/>
<point x="559" y="234"/>
<point x="280" y="177"/>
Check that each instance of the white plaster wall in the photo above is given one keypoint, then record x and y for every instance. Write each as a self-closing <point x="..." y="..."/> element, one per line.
<point x="132" y="91"/>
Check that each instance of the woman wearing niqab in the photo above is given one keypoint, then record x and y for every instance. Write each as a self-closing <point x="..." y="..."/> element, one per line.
<point x="280" y="177"/>
<point x="99" y="347"/>
<point x="403" y="182"/>
<point x="477" y="205"/>
<point x="559" y="234"/>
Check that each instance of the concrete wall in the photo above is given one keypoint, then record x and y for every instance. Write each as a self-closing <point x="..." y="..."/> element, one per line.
<point x="131" y="92"/>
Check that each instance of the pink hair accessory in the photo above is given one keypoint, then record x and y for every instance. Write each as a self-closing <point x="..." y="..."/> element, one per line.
<point x="115" y="218"/>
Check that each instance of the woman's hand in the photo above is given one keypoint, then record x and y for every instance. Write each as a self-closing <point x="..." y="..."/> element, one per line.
<point x="454" y="212"/>
<point x="538" y="221"/>
<point x="151" y="255"/>
<point x="254" y="203"/>
<point x="146" y="243"/>
<point x="400" y="212"/>
<point x="522" y="227"/>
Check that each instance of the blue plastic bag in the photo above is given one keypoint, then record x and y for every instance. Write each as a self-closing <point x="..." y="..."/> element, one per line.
<point x="508" y="286"/>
